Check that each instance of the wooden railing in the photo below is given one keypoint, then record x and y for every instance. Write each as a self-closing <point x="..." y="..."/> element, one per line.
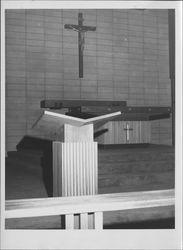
<point x="85" y="205"/>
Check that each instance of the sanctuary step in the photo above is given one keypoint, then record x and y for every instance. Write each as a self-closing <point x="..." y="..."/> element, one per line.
<point x="120" y="170"/>
<point x="32" y="158"/>
<point x="135" y="168"/>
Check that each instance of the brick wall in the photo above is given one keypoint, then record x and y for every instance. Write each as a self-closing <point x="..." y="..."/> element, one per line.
<point x="126" y="58"/>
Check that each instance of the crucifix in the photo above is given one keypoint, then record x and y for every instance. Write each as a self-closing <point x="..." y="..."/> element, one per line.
<point x="81" y="29"/>
<point x="128" y="129"/>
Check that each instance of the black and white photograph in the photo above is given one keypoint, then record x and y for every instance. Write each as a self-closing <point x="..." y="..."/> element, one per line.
<point x="91" y="137"/>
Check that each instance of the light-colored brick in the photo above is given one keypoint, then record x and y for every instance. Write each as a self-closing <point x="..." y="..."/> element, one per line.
<point x="126" y="58"/>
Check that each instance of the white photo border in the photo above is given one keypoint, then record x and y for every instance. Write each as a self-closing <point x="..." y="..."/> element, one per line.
<point x="93" y="239"/>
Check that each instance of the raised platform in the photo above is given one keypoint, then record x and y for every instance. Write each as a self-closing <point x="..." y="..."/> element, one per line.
<point x="136" y="167"/>
<point x="121" y="169"/>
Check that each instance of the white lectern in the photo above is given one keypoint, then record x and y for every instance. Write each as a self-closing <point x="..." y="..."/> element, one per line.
<point x="75" y="161"/>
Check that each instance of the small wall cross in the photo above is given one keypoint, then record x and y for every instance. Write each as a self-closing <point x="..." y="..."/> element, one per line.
<point x="128" y="129"/>
<point x="81" y="29"/>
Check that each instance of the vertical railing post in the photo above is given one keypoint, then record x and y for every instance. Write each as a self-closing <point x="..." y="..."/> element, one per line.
<point x="84" y="221"/>
<point x="98" y="220"/>
<point x="69" y="221"/>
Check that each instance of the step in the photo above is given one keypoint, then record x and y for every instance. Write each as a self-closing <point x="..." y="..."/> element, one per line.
<point x="29" y="142"/>
<point x="122" y="168"/>
<point x="126" y="180"/>
<point x="135" y="155"/>
<point x="106" y="157"/>
<point x="139" y="157"/>
<point x="24" y="165"/>
<point x="32" y="155"/>
<point x="135" y="167"/>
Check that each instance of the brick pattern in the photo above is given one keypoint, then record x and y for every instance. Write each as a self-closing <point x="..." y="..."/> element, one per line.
<point x="126" y="58"/>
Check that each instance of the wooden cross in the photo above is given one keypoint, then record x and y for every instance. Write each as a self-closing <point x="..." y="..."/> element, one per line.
<point x="81" y="29"/>
<point x="128" y="129"/>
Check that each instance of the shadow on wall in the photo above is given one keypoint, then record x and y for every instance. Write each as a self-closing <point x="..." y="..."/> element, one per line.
<point x="43" y="146"/>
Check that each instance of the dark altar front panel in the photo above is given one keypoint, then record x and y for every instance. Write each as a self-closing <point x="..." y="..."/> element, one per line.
<point x="126" y="132"/>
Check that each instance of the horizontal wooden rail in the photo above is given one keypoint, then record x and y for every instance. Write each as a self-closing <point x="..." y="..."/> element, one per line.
<point x="88" y="204"/>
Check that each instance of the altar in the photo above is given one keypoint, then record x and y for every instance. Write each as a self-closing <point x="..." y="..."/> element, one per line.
<point x="133" y="126"/>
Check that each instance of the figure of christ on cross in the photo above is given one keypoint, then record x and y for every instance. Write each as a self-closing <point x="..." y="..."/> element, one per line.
<point x="81" y="29"/>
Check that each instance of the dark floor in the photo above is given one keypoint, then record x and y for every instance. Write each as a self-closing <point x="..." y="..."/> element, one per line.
<point x="120" y="170"/>
<point x="149" y="224"/>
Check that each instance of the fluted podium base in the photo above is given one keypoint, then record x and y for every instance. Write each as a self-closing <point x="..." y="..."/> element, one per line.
<point x="75" y="170"/>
